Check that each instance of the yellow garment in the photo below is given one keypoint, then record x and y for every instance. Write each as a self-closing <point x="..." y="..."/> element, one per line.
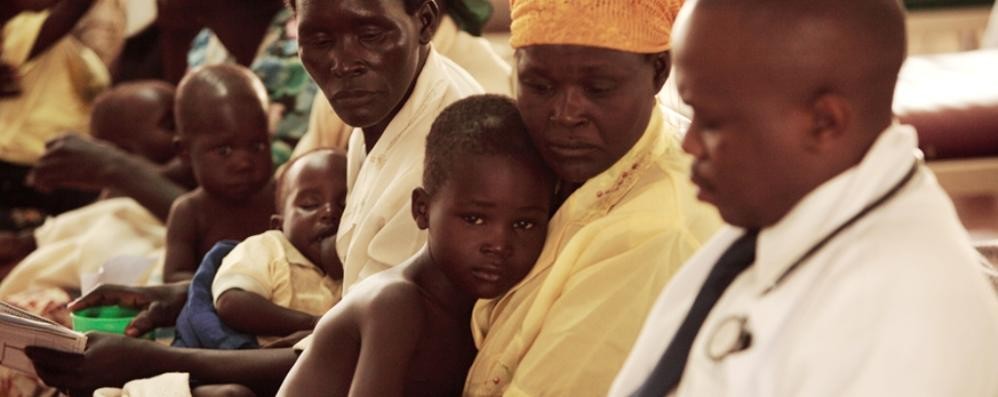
<point x="566" y="329"/>
<point x="641" y="26"/>
<point x="473" y="54"/>
<point x="82" y="240"/>
<point x="58" y="87"/>
<point x="268" y="265"/>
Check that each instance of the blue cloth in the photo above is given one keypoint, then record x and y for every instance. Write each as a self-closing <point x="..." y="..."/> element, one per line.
<point x="198" y="324"/>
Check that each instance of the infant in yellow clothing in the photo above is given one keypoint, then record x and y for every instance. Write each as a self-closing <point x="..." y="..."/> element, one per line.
<point x="280" y="282"/>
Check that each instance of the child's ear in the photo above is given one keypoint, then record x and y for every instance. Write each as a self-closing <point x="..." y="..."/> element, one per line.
<point x="276" y="222"/>
<point x="420" y="207"/>
<point x="428" y="15"/>
<point x="662" y="63"/>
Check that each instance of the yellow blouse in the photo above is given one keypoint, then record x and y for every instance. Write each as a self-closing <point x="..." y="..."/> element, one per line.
<point x="566" y="329"/>
<point x="58" y="87"/>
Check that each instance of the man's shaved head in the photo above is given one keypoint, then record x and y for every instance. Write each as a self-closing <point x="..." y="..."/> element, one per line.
<point x="852" y="47"/>
<point x="786" y="95"/>
<point x="209" y="95"/>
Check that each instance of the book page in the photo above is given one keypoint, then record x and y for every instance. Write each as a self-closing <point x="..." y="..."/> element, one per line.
<point x="19" y="329"/>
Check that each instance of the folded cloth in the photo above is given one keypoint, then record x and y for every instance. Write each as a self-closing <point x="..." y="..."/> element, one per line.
<point x="198" y="324"/>
<point x="172" y="384"/>
<point x="82" y="240"/>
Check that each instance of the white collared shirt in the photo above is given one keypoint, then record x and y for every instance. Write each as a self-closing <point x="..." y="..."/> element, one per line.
<point x="377" y="230"/>
<point x="895" y="305"/>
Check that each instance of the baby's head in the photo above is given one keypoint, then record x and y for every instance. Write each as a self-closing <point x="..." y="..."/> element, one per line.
<point x="486" y="195"/>
<point x="311" y="194"/>
<point x="222" y="128"/>
<point x="138" y="118"/>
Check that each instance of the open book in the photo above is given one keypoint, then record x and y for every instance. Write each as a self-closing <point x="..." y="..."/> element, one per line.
<point x="19" y="328"/>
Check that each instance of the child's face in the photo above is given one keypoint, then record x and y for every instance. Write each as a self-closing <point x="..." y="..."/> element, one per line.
<point x="314" y="190"/>
<point x="487" y="223"/>
<point x="233" y="160"/>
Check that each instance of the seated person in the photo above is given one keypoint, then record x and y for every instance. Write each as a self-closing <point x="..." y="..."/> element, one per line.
<point x="222" y="125"/>
<point x="138" y="118"/>
<point x="485" y="203"/>
<point x="135" y="117"/>
<point x="275" y="283"/>
<point x="52" y="79"/>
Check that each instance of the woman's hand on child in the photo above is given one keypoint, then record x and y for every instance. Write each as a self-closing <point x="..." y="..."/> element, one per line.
<point x="160" y="304"/>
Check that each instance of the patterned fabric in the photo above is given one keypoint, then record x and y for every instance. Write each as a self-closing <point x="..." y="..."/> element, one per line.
<point x="641" y="26"/>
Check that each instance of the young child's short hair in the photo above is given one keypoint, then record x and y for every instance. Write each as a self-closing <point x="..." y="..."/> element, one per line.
<point x="280" y="184"/>
<point x="226" y="84"/>
<point x="480" y="125"/>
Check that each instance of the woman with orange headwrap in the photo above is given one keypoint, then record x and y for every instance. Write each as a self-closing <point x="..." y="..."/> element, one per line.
<point x="588" y="72"/>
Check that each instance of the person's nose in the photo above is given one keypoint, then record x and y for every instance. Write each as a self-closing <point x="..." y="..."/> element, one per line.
<point x="498" y="242"/>
<point x="241" y="161"/>
<point x="569" y="108"/>
<point x="326" y="212"/>
<point x="693" y="140"/>
<point x="346" y="60"/>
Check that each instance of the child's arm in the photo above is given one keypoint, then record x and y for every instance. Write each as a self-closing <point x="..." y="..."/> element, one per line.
<point x="181" y="241"/>
<point x="62" y="18"/>
<point x="250" y="313"/>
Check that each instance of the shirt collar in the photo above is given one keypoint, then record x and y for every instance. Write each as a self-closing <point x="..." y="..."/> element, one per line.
<point x="291" y="253"/>
<point x="446" y="35"/>
<point x="834" y="202"/>
<point x="597" y="196"/>
<point x="601" y="193"/>
<point x="430" y="85"/>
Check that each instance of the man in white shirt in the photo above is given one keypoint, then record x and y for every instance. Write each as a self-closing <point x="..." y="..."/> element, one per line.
<point x="391" y="97"/>
<point x="846" y="271"/>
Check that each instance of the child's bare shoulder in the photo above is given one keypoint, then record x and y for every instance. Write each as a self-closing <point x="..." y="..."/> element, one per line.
<point x="189" y="202"/>
<point x="389" y="297"/>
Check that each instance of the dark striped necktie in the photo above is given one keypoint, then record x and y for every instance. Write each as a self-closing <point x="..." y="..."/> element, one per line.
<point x="670" y="367"/>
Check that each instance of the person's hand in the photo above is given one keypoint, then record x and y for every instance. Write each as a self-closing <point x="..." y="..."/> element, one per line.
<point x="160" y="304"/>
<point x="75" y="162"/>
<point x="108" y="361"/>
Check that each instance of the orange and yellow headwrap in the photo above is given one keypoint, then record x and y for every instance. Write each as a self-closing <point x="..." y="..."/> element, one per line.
<point x="641" y="26"/>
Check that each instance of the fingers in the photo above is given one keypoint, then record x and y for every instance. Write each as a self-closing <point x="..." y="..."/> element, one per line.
<point x="140" y="325"/>
<point x="111" y="294"/>
<point x="53" y="365"/>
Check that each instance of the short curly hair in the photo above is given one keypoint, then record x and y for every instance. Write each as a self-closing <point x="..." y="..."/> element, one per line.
<point x="480" y="125"/>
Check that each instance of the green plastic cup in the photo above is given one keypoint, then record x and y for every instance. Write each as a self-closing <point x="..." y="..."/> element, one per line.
<point x="110" y="319"/>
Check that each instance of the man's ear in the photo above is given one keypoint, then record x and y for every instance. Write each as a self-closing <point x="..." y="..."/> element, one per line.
<point x="427" y="15"/>
<point x="831" y="118"/>
<point x="276" y="222"/>
<point x="421" y="208"/>
<point x="662" y="64"/>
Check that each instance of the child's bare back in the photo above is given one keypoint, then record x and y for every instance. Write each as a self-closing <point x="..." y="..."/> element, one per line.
<point x="400" y="322"/>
